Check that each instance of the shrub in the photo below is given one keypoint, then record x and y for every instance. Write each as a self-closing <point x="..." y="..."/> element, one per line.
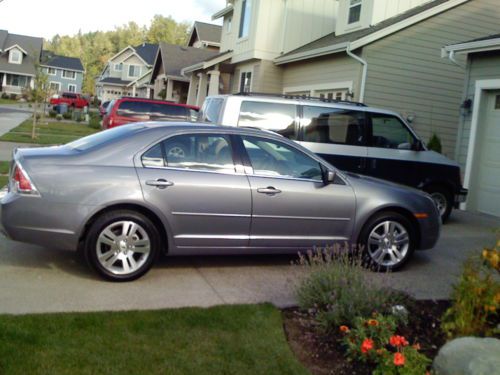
<point x="337" y="291"/>
<point x="68" y="115"/>
<point x="52" y="114"/>
<point x="94" y="121"/>
<point x="374" y="341"/>
<point x="434" y="143"/>
<point x="13" y="97"/>
<point x="5" y="95"/>
<point x="476" y="297"/>
<point x="59" y="117"/>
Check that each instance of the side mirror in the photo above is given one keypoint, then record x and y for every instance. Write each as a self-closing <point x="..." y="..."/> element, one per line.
<point x="328" y="176"/>
<point x="417" y="145"/>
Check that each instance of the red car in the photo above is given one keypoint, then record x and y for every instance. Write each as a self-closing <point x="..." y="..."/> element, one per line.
<point x="71" y="99"/>
<point x="126" y="110"/>
<point x="103" y="108"/>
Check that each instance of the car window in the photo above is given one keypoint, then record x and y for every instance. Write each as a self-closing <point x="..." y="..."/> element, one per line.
<point x="274" y="158"/>
<point x="211" y="110"/>
<point x="167" y="112"/>
<point x="103" y="137"/>
<point x="110" y="107"/>
<point x="389" y="132"/>
<point x="333" y="125"/>
<point x="277" y="117"/>
<point x="193" y="115"/>
<point x="134" y="109"/>
<point x="192" y="151"/>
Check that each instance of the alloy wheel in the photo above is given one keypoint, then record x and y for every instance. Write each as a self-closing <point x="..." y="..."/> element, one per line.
<point x="440" y="201"/>
<point x="388" y="243"/>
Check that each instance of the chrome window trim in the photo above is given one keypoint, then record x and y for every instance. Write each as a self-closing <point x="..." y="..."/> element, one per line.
<point x="196" y="170"/>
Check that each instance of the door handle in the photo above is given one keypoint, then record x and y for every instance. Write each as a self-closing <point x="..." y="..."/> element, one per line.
<point x="160" y="183"/>
<point x="270" y="190"/>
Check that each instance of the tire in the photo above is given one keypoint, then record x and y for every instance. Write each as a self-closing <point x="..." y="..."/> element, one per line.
<point x="117" y="256"/>
<point x="378" y="241"/>
<point x="443" y="199"/>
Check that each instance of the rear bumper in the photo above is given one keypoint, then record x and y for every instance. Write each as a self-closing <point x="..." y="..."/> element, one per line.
<point x="460" y="197"/>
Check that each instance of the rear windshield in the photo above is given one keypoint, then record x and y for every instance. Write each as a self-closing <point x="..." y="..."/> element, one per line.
<point x="152" y="111"/>
<point x="105" y="136"/>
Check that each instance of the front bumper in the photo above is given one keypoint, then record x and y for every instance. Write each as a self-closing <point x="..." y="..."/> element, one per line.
<point x="460" y="197"/>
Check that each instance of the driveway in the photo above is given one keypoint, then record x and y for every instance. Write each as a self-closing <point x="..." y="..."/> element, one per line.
<point x="34" y="279"/>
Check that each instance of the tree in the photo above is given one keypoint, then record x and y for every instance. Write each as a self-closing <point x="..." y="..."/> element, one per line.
<point x="166" y="29"/>
<point x="38" y="93"/>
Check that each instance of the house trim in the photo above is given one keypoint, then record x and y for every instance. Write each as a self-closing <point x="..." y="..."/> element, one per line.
<point x="371" y="37"/>
<point x="72" y="85"/>
<point x="61" y="68"/>
<point x="55" y="83"/>
<point x="68" y="70"/>
<point x="17" y="73"/>
<point x="222" y="12"/>
<point x="470" y="47"/>
<point x="139" y="78"/>
<point x="134" y="52"/>
<point x="481" y="87"/>
<point x="207" y="64"/>
<point x="18" y="47"/>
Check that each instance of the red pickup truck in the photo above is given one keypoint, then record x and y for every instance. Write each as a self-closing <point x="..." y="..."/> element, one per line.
<point x="71" y="99"/>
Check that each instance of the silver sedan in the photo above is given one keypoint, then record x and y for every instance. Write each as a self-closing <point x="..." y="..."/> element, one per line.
<point x="126" y="195"/>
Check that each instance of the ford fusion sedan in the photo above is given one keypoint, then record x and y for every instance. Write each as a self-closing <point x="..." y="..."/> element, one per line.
<point x="127" y="194"/>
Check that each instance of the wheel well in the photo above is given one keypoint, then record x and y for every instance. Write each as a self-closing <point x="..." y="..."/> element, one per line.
<point x="133" y="207"/>
<point x="443" y="185"/>
<point x="404" y="212"/>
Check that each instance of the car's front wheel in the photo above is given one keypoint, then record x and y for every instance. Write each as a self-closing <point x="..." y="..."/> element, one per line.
<point x="387" y="241"/>
<point x="122" y="245"/>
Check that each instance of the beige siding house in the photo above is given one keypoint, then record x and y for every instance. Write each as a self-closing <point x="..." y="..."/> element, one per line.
<point x="478" y="145"/>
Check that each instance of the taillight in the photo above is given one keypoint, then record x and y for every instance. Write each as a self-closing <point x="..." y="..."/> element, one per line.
<point x="22" y="183"/>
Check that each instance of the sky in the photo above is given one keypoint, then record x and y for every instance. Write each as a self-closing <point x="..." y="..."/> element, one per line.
<point x="46" y="18"/>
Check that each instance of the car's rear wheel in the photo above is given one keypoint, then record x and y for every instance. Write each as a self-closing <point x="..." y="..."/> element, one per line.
<point x="443" y="200"/>
<point x="122" y="245"/>
<point x="387" y="241"/>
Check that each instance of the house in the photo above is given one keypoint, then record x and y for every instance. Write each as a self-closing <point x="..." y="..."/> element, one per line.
<point x="166" y="78"/>
<point x="127" y="73"/>
<point x="65" y="73"/>
<point x="478" y="138"/>
<point x="19" y="55"/>
<point x="205" y="35"/>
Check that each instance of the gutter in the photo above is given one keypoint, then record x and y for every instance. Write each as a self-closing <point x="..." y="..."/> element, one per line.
<point x="363" y="76"/>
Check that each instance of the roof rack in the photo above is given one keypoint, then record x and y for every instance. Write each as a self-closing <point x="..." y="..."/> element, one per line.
<point x="153" y="100"/>
<point x="302" y="97"/>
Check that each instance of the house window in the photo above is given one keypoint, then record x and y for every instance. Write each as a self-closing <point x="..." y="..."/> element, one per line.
<point x="71" y="88"/>
<point x="15" y="57"/>
<point x="354" y="11"/>
<point x="51" y="71"/>
<point x="69" y="74"/>
<point x="246" y="11"/>
<point x="245" y="81"/>
<point x="17" y="80"/>
<point x="134" y="70"/>
<point x="119" y="67"/>
<point x="55" y="86"/>
<point x="229" y="24"/>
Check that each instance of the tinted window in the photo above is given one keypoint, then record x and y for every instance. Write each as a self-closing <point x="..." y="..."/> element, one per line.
<point x="153" y="157"/>
<point x="134" y="109"/>
<point x="193" y="114"/>
<point x="389" y="132"/>
<point x="272" y="158"/>
<point x="211" y="110"/>
<point x="167" y="112"/>
<point x="332" y="125"/>
<point x="277" y="117"/>
<point x="110" y="107"/>
<point x="200" y="151"/>
<point x="103" y="137"/>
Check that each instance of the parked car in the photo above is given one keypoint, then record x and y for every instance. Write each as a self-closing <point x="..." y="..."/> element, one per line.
<point x="123" y="198"/>
<point x="351" y="136"/>
<point x="71" y="99"/>
<point x="126" y="110"/>
<point x="103" y="108"/>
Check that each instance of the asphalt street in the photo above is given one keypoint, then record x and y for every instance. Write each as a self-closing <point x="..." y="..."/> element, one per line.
<point x="35" y="279"/>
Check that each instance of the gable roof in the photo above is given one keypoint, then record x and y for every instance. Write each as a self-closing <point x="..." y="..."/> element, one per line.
<point x="206" y="32"/>
<point x="63" y="62"/>
<point x="174" y="58"/>
<point x="332" y="43"/>
<point x="32" y="46"/>
<point x="147" y="52"/>
<point x="114" y="81"/>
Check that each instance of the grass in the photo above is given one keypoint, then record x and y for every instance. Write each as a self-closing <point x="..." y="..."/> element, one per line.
<point x="3" y="182"/>
<point x="4" y="167"/>
<point x="52" y="133"/>
<point x="220" y="340"/>
<point x="8" y="101"/>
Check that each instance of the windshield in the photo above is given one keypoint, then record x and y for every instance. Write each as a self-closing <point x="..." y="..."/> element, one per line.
<point x="105" y="136"/>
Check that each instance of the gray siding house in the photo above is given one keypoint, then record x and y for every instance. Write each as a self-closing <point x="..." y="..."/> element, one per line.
<point x="478" y="145"/>
<point x="19" y="55"/>
<point x="65" y="73"/>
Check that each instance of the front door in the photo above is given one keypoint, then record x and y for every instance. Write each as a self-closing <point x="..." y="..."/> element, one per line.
<point x="191" y="178"/>
<point x="292" y="207"/>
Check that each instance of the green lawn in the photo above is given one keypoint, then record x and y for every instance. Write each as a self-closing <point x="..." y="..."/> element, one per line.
<point x="4" y="167"/>
<point x="220" y="340"/>
<point x="53" y="133"/>
<point x="7" y="101"/>
<point x="3" y="182"/>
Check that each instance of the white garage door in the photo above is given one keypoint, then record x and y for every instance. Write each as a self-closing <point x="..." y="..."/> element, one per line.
<point x="488" y="149"/>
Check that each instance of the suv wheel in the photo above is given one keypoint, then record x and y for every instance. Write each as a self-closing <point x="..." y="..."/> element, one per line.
<point x="387" y="241"/>
<point x="443" y="200"/>
<point x="122" y="245"/>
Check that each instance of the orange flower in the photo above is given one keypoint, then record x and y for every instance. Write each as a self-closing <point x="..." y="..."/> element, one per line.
<point x="372" y="322"/>
<point x="399" y="359"/>
<point x="344" y="329"/>
<point x="367" y="345"/>
<point x="416" y="346"/>
<point x="398" y="341"/>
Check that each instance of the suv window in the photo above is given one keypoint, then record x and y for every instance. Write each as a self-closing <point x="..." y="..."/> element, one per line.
<point x="273" y="158"/>
<point x="389" y="132"/>
<point x="69" y="96"/>
<point x="133" y="109"/>
<point x="277" y="117"/>
<point x="200" y="152"/>
<point x="333" y="125"/>
<point x="167" y="112"/>
<point x="211" y="110"/>
<point x="110" y="107"/>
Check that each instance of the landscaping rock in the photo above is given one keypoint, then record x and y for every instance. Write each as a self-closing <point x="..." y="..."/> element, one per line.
<point x="469" y="356"/>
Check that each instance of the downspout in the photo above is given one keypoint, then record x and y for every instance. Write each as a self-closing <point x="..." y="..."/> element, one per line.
<point x="283" y="34"/>
<point x="363" y="75"/>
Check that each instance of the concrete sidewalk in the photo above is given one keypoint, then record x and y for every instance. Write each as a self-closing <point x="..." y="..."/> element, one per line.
<point x="35" y="279"/>
<point x="10" y="118"/>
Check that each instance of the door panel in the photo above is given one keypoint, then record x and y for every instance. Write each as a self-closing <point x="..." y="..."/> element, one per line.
<point x="303" y="214"/>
